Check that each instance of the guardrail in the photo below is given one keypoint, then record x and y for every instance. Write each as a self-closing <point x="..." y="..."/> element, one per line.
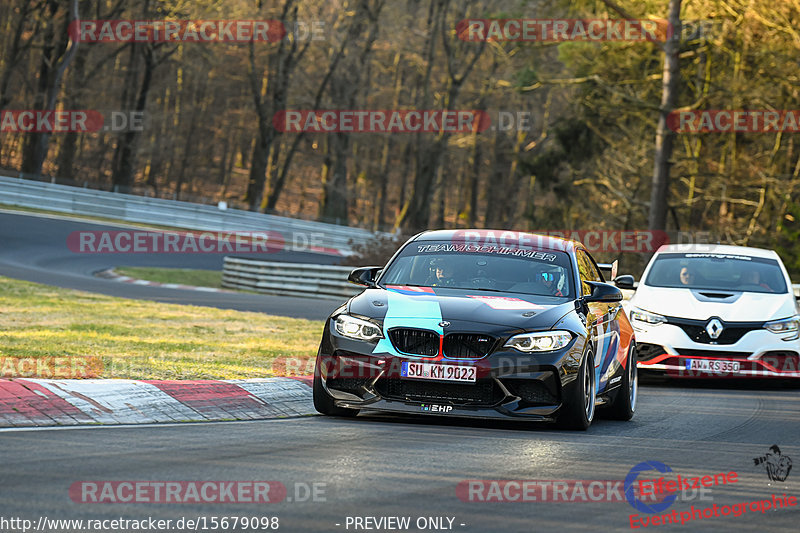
<point x="302" y="234"/>
<point x="288" y="279"/>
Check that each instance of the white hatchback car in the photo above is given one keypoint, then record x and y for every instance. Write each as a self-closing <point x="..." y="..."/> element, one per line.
<point x="716" y="311"/>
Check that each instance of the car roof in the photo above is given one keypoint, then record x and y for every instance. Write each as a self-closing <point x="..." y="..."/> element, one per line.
<point x="719" y="249"/>
<point x="501" y="237"/>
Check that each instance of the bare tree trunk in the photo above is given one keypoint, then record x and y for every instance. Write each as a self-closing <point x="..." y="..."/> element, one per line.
<point x="197" y="111"/>
<point x="497" y="201"/>
<point x="383" y="170"/>
<point x="55" y="60"/>
<point x="335" y="203"/>
<point x="18" y="47"/>
<point x="281" y="65"/>
<point x="474" y="176"/>
<point x="416" y="212"/>
<point x="123" y="173"/>
<point x="664" y="136"/>
<point x="69" y="144"/>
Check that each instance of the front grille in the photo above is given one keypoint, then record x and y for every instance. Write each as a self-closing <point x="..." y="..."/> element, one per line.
<point x="712" y="353"/>
<point x="415" y="341"/>
<point x="696" y="330"/>
<point x="530" y="391"/>
<point x="467" y="345"/>
<point x="483" y="392"/>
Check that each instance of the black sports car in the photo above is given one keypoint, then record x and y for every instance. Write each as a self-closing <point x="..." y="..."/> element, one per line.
<point x="479" y="323"/>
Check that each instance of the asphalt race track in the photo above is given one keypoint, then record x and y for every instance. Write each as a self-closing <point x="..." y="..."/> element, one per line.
<point x="34" y="248"/>
<point x="411" y="467"/>
<point x="379" y="467"/>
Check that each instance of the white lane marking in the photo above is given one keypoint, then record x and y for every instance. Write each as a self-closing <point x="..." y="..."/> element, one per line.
<point x="136" y="426"/>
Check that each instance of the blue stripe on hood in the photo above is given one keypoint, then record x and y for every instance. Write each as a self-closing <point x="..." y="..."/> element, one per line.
<point x="418" y="311"/>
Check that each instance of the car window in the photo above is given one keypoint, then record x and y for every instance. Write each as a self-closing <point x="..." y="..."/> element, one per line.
<point x="711" y="271"/>
<point x="587" y="271"/>
<point x="465" y="266"/>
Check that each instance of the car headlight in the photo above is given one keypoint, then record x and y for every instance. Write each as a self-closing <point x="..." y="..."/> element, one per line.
<point x="545" y="341"/>
<point x="653" y="319"/>
<point x="786" y="325"/>
<point x="355" y="328"/>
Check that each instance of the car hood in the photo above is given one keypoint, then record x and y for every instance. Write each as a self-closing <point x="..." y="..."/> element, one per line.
<point x="415" y="304"/>
<point x="698" y="305"/>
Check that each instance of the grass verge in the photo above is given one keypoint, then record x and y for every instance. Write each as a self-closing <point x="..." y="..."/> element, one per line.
<point x="183" y="276"/>
<point x="42" y="328"/>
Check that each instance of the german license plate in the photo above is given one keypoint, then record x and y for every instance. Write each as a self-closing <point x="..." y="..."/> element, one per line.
<point x="714" y="366"/>
<point x="413" y="370"/>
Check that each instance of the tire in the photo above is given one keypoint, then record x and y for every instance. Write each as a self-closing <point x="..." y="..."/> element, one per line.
<point x="323" y="402"/>
<point x="578" y="410"/>
<point x="624" y="404"/>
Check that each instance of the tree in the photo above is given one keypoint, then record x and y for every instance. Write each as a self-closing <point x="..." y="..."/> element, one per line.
<point x="55" y="59"/>
<point x="659" y="195"/>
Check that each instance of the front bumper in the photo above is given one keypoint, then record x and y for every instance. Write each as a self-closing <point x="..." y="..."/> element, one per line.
<point x="667" y="349"/>
<point x="509" y="384"/>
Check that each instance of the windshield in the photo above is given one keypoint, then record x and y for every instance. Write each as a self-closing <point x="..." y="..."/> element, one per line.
<point x="717" y="272"/>
<point x="474" y="267"/>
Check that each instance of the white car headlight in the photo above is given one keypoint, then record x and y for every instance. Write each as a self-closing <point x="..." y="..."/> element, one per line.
<point x="786" y="325"/>
<point x="356" y="328"/>
<point x="639" y="315"/>
<point x="545" y="341"/>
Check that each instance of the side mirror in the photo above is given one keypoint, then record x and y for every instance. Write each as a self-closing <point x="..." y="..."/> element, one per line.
<point x="624" y="281"/>
<point x="603" y="292"/>
<point x="364" y="276"/>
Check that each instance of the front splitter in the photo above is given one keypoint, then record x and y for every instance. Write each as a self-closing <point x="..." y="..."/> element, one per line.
<point x="437" y="409"/>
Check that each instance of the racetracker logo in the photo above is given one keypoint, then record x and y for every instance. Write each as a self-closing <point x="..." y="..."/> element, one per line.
<point x="557" y="491"/>
<point x="641" y="241"/>
<point x="559" y="30"/>
<point x="381" y="121"/>
<point x="540" y="490"/>
<point x="182" y="31"/>
<point x="739" y="121"/>
<point x="189" y="492"/>
<point x="84" y="121"/>
<point x="67" y="367"/>
<point x="207" y="242"/>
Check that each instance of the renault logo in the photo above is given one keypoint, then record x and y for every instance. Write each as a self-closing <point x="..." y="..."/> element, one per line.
<point x="444" y="324"/>
<point x="714" y="328"/>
